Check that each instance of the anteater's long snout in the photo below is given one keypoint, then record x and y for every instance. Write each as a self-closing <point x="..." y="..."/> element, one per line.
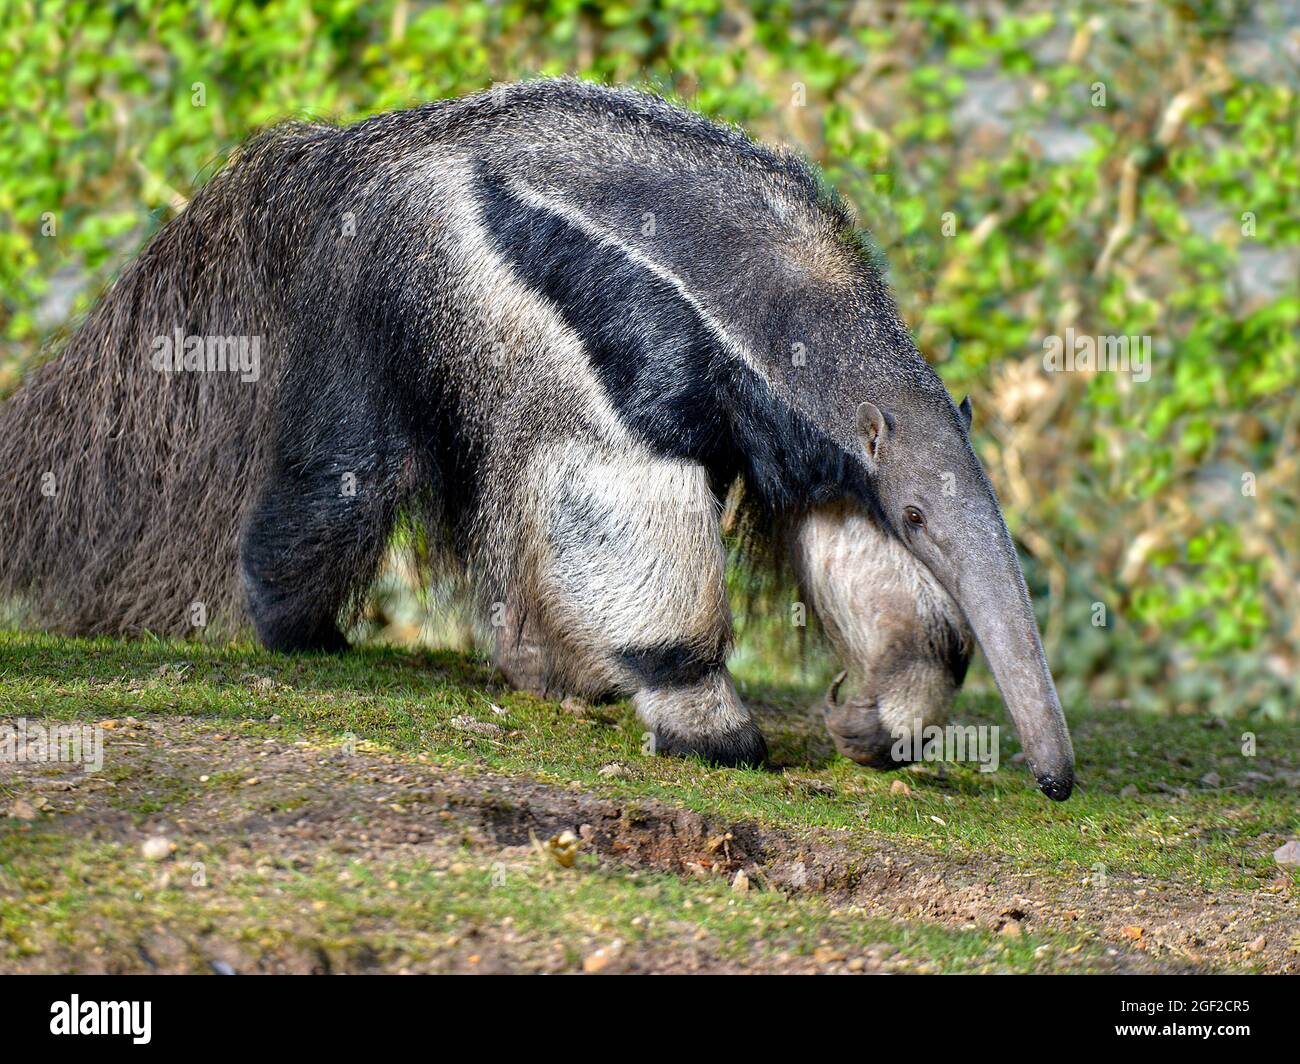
<point x="998" y="610"/>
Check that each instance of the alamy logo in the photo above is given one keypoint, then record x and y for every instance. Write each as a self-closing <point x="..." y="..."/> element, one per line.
<point x="1098" y="354"/>
<point x="953" y="742"/>
<point x="25" y="743"/>
<point x="178" y="353"/>
<point x="102" y="1017"/>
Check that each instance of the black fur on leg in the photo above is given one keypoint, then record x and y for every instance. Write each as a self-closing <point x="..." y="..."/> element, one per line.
<point x="323" y="638"/>
<point x="314" y="538"/>
<point x="290" y="560"/>
<point x="674" y="663"/>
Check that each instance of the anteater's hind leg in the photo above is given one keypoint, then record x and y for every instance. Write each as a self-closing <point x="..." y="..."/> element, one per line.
<point x="519" y="652"/>
<point x="529" y="661"/>
<point x="630" y="596"/>
<point x="316" y="535"/>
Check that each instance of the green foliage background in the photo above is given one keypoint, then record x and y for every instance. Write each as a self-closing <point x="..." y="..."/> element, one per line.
<point x="1116" y="169"/>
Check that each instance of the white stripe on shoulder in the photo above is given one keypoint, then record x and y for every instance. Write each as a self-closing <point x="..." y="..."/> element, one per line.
<point x="597" y="232"/>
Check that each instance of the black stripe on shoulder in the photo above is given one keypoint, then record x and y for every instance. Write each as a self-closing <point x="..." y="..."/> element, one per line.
<point x="660" y="363"/>
<point x="650" y="350"/>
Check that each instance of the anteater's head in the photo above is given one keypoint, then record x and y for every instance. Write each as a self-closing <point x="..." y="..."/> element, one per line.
<point x="936" y="499"/>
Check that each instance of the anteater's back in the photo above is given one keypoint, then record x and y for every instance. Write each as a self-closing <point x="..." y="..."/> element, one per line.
<point x="410" y="269"/>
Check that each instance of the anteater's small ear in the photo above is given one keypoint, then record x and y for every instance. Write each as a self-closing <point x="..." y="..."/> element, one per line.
<point x="966" y="411"/>
<point x="873" y="426"/>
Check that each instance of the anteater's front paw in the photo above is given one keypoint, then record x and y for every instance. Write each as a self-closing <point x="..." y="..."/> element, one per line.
<point x="744" y="747"/>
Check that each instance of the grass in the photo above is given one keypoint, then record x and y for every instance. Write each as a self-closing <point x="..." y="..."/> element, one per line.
<point x="1144" y="803"/>
<point x="1171" y="799"/>
<point x="418" y="915"/>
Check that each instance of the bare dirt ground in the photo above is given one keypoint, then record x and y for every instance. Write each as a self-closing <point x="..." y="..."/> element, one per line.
<point x="255" y="813"/>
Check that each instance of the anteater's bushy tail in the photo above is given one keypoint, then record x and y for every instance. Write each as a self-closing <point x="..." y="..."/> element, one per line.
<point x="122" y="485"/>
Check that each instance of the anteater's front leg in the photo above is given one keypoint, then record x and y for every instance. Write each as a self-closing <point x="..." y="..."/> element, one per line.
<point x="902" y="642"/>
<point x="630" y="594"/>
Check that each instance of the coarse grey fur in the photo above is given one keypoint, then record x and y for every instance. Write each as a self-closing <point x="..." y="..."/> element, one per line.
<point x="549" y="324"/>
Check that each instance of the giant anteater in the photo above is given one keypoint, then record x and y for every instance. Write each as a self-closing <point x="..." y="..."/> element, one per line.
<point x="552" y="324"/>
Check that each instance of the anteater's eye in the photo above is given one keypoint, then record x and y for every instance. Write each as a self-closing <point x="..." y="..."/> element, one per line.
<point x="914" y="516"/>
